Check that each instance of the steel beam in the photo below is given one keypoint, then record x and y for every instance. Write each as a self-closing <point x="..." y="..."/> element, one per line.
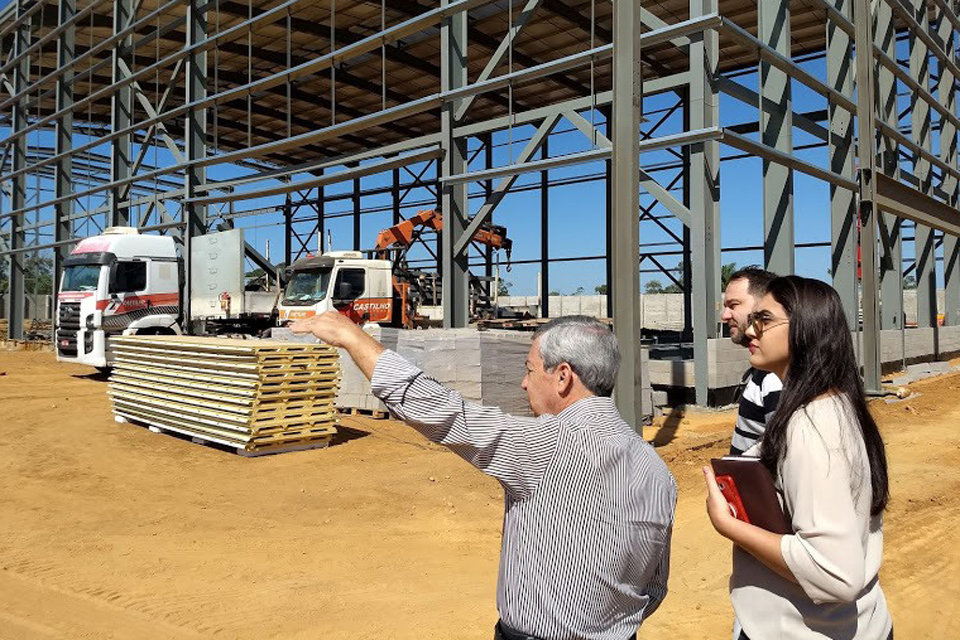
<point x="121" y="118"/>
<point x="776" y="131"/>
<point x="454" y="267"/>
<point x="906" y="202"/>
<point x="843" y="213"/>
<point x="647" y="182"/>
<point x="502" y="49"/>
<point x="625" y="221"/>
<point x="891" y="245"/>
<point x="195" y="133"/>
<point x="924" y="249"/>
<point x="63" y="170"/>
<point x="503" y="187"/>
<point x="704" y="196"/>
<point x="947" y="94"/>
<point x="866" y="125"/>
<point x="736" y="90"/>
<point x="16" y="291"/>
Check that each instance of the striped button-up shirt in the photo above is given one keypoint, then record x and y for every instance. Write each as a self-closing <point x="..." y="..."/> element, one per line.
<point x="588" y="510"/>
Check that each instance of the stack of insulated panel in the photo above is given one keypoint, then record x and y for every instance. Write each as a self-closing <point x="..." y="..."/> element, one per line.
<point x="258" y="396"/>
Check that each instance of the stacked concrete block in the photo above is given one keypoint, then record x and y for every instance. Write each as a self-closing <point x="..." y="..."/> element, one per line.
<point x="355" y="391"/>
<point x="502" y="369"/>
<point x="671" y="373"/>
<point x="950" y="339"/>
<point x="453" y="358"/>
<point x="727" y="362"/>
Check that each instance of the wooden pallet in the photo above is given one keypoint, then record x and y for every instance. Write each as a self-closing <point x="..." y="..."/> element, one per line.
<point x="259" y="449"/>
<point x="376" y="414"/>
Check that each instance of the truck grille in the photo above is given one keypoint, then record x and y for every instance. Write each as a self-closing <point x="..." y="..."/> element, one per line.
<point x="68" y="324"/>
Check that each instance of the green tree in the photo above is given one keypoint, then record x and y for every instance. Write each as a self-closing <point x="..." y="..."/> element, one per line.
<point x="601" y="289"/>
<point x="673" y="288"/>
<point x="37" y="274"/>
<point x="726" y="271"/>
<point x="503" y="287"/>
<point x="578" y="291"/>
<point x="653" y="286"/>
<point x="910" y="282"/>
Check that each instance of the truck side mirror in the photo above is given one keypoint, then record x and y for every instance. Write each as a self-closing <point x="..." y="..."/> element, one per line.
<point x="344" y="291"/>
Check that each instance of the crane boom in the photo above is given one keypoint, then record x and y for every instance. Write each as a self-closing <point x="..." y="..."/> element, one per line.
<point x="403" y="234"/>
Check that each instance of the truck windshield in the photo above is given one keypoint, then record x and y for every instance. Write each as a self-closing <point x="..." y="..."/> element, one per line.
<point x="81" y="277"/>
<point x="308" y="286"/>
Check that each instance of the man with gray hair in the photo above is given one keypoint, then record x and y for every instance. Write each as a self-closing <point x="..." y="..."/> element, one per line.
<point x="588" y="508"/>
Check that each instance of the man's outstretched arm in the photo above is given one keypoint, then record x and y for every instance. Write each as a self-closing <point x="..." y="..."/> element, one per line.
<point x="340" y="331"/>
<point x="516" y="451"/>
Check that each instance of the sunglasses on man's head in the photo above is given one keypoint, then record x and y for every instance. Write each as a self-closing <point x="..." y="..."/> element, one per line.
<point x="760" y="321"/>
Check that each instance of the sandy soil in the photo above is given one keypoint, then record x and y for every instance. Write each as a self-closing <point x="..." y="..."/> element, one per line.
<point x="111" y="531"/>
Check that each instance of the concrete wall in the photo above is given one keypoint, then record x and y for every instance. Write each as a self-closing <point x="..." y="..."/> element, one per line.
<point x="728" y="362"/>
<point x="658" y="310"/>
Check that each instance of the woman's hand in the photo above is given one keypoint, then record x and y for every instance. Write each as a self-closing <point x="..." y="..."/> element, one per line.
<point x="717" y="507"/>
<point x="760" y="543"/>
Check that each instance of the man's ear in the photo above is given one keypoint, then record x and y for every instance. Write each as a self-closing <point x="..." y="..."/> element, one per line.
<point x="564" y="377"/>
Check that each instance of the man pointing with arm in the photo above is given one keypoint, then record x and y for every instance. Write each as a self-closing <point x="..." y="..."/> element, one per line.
<point x="588" y="509"/>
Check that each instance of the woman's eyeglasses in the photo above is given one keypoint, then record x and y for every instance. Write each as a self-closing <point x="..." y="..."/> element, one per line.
<point x="761" y="321"/>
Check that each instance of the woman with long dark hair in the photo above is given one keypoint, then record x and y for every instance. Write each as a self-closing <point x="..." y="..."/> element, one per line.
<point x="827" y="459"/>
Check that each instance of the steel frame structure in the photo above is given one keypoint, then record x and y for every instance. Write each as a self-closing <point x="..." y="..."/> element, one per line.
<point x="295" y="98"/>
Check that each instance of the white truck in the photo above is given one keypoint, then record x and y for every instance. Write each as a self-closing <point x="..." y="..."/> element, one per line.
<point x="359" y="288"/>
<point x="126" y="283"/>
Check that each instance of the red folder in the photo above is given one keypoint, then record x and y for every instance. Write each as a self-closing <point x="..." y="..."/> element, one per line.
<point x="748" y="487"/>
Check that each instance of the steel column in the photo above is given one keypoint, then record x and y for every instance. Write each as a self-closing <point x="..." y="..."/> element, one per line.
<point x="355" y="198"/>
<point x="15" y="303"/>
<point x="63" y="169"/>
<point x="704" y="196"/>
<point x="321" y="219"/>
<point x="925" y="250"/>
<point x="947" y="94"/>
<point x="608" y="213"/>
<point x="891" y="227"/>
<point x="843" y="219"/>
<point x="545" y="233"/>
<point x="866" y="126"/>
<point x="121" y="157"/>
<point x="287" y="230"/>
<point x="776" y="131"/>
<point x="395" y="195"/>
<point x="195" y="132"/>
<point x="625" y="223"/>
<point x="454" y="270"/>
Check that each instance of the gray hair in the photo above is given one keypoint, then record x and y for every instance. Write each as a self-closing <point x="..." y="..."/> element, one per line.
<point x="587" y="345"/>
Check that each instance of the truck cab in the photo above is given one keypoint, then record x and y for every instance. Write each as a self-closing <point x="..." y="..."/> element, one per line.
<point x="360" y="289"/>
<point x="117" y="283"/>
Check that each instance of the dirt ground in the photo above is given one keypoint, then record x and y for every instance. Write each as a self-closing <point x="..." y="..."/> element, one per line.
<point x="111" y="531"/>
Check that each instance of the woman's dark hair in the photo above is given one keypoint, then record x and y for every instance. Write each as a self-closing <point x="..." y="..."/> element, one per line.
<point x="821" y="360"/>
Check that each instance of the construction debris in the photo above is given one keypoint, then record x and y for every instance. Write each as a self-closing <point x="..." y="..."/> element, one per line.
<point x="257" y="396"/>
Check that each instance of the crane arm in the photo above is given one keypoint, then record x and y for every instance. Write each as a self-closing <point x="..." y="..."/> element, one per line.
<point x="404" y="233"/>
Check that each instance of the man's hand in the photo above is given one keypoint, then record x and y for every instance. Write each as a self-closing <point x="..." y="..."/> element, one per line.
<point x="331" y="327"/>
<point x="340" y="331"/>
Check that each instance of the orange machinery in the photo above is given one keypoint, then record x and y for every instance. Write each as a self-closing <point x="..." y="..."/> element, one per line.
<point x="402" y="235"/>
